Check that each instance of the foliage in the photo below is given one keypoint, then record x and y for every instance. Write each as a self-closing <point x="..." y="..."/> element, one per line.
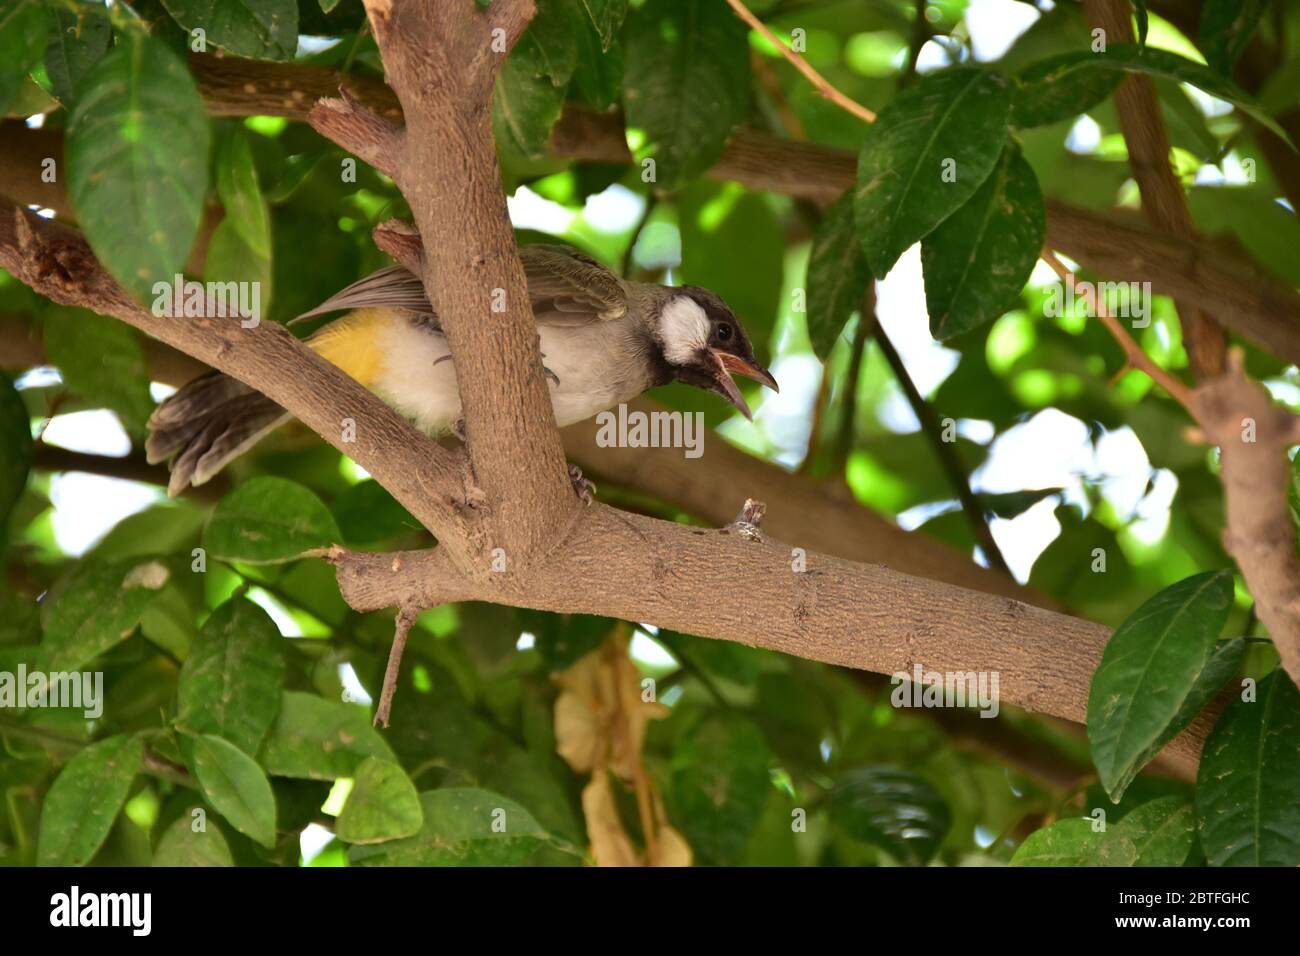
<point x="237" y="685"/>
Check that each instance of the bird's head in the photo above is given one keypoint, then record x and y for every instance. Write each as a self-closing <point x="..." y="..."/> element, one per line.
<point x="704" y="344"/>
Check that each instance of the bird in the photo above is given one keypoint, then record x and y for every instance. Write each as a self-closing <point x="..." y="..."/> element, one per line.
<point x="604" y="340"/>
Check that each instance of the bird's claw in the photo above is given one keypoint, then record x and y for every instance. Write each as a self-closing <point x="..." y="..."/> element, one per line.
<point x="458" y="428"/>
<point x="552" y="376"/>
<point x="584" y="489"/>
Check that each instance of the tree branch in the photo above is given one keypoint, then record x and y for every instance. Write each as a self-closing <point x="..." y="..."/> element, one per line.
<point x="431" y="482"/>
<point x="1162" y="194"/>
<point x="819" y="82"/>
<point x="726" y="585"/>
<point x="441" y="58"/>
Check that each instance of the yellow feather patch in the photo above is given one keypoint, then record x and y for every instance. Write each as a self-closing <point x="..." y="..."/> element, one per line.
<point x="352" y="343"/>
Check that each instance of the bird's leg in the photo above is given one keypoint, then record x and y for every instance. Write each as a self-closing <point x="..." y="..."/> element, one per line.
<point x="581" y="486"/>
<point x="549" y="374"/>
<point x="458" y="429"/>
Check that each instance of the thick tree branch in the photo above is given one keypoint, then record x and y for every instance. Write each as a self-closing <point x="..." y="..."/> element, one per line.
<point x="441" y="58"/>
<point x="726" y="585"/>
<point x="1253" y="434"/>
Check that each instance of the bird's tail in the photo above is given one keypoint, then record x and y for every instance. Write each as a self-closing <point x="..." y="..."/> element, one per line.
<point x="206" y="424"/>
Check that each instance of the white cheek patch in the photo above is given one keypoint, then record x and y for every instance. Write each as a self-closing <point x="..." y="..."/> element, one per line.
<point x="684" y="329"/>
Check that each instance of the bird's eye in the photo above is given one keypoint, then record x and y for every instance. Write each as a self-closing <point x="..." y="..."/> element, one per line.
<point x="724" y="332"/>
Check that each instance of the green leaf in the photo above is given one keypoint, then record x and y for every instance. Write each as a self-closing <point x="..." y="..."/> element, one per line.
<point x="240" y="194"/>
<point x="716" y="220"/>
<point x="552" y="37"/>
<point x="837" y="276"/>
<point x="607" y="17"/>
<point x="383" y="805"/>
<point x="15" y="449"/>
<point x="23" y="24"/>
<point x="1012" y="504"/>
<point x="1151" y="666"/>
<point x="262" y="29"/>
<point x="1163" y="832"/>
<point x="20" y="619"/>
<point x="235" y="786"/>
<point x="268" y="520"/>
<point x="1057" y="89"/>
<point x="101" y="360"/>
<point x="1128" y="57"/>
<point x="686" y="83"/>
<point x="231" y="259"/>
<point x="85" y="799"/>
<point x="182" y="845"/>
<point x="1248" y="779"/>
<point x="598" y="77"/>
<point x="318" y="739"/>
<point x="525" y="104"/>
<point x="1226" y="29"/>
<point x="1143" y="21"/>
<point x="1074" y="843"/>
<point x="230" y="684"/>
<point x="137" y="158"/>
<point x="979" y="259"/>
<point x="168" y="526"/>
<point x="529" y="92"/>
<point x="367" y="514"/>
<point x="719" y="786"/>
<point x="925" y="156"/>
<point x="893" y="809"/>
<point x="463" y="826"/>
<point x="78" y="39"/>
<point x="96" y="607"/>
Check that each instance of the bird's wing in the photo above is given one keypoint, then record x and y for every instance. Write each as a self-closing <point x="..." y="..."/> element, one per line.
<point x="565" y="287"/>
<point x="395" y="287"/>
<point x="568" y="287"/>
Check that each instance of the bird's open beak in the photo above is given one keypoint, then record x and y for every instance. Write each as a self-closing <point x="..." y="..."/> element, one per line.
<point x="728" y="365"/>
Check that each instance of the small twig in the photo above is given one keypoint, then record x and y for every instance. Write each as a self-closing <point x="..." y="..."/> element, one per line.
<point x="799" y="63"/>
<point x="1136" y="358"/>
<point x="405" y="620"/>
<point x="402" y="241"/>
<point x="747" y="522"/>
<point x="358" y="129"/>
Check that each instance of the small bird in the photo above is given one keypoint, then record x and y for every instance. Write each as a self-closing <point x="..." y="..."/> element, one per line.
<point x="604" y="340"/>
